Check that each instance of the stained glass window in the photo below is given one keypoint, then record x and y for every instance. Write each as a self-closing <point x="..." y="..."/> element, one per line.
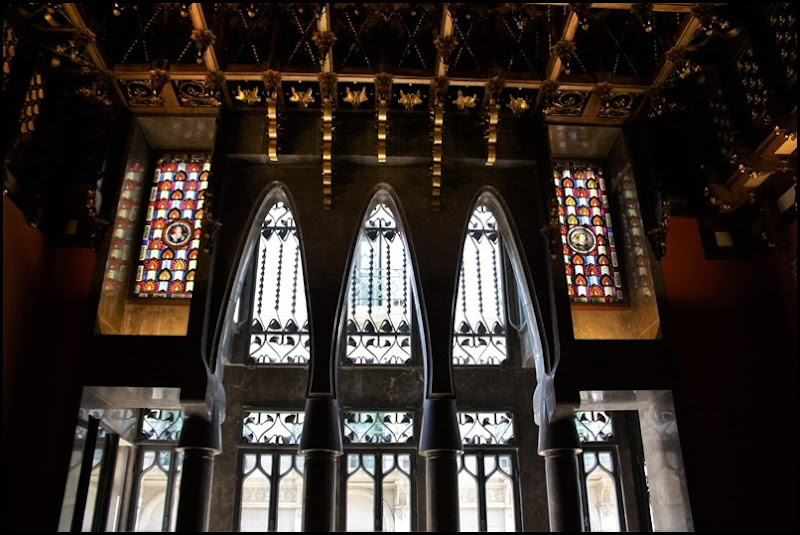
<point x="480" y="332"/>
<point x="279" y="331"/>
<point x="172" y="231"/>
<point x="123" y="234"/>
<point x="590" y="253"/>
<point x="379" y="300"/>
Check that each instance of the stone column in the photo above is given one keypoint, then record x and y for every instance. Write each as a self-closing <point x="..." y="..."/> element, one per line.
<point x="321" y="444"/>
<point x="666" y="478"/>
<point x="440" y="445"/>
<point x="200" y="443"/>
<point x="558" y="444"/>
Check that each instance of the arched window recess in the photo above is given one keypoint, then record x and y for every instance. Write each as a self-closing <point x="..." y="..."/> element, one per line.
<point x="381" y="316"/>
<point x="266" y="318"/>
<point x="497" y="320"/>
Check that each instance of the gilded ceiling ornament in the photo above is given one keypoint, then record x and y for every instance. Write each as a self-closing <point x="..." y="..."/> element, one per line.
<point x="564" y="50"/>
<point x="356" y="99"/>
<point x="517" y="105"/>
<point x="324" y="41"/>
<point x="683" y="65"/>
<point x="494" y="88"/>
<point x="644" y="12"/>
<point x="158" y="79"/>
<point x="327" y="87"/>
<point x="658" y="103"/>
<point x="463" y="102"/>
<point x="248" y="96"/>
<point x="582" y="11"/>
<point x="202" y="40"/>
<point x="215" y="80"/>
<point x="439" y="90"/>
<point x="272" y="83"/>
<point x="302" y="99"/>
<point x="445" y="44"/>
<point x="410" y="100"/>
<point x="383" y="87"/>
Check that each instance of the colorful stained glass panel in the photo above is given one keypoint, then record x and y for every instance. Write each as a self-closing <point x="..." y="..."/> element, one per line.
<point x="590" y="252"/>
<point x="171" y="237"/>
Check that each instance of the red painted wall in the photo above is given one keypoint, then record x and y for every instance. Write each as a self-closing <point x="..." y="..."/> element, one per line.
<point x="734" y="327"/>
<point x="45" y="296"/>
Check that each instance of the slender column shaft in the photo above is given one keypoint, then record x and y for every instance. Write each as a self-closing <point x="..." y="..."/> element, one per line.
<point x="199" y="449"/>
<point x="562" y="470"/>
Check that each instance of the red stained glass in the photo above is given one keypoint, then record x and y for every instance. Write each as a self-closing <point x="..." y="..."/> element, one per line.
<point x="589" y="248"/>
<point x="172" y="232"/>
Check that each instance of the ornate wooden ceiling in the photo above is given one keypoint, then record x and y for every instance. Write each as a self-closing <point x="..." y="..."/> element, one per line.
<point x="594" y="61"/>
<point x="732" y="66"/>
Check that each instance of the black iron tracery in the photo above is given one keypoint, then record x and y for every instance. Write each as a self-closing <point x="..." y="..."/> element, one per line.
<point x="378" y="323"/>
<point x="480" y="334"/>
<point x="279" y="330"/>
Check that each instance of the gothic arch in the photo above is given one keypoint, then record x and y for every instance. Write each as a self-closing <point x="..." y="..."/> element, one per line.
<point x="534" y="348"/>
<point x="383" y="194"/>
<point x="229" y="326"/>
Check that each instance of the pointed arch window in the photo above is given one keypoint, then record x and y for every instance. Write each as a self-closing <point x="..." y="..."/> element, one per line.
<point x="279" y="327"/>
<point x="589" y="249"/>
<point x="379" y="292"/>
<point x="480" y="320"/>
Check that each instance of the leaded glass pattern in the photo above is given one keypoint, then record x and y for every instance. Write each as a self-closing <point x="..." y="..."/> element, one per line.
<point x="279" y="330"/>
<point x="486" y="428"/>
<point x="590" y="252"/>
<point x="487" y="492"/>
<point x="594" y="426"/>
<point x="161" y="425"/>
<point x="379" y="298"/>
<point x="634" y="238"/>
<point x="379" y="492"/>
<point x="123" y="233"/>
<point x="272" y="427"/>
<point x="159" y="471"/>
<point x="172" y="230"/>
<point x="9" y="51"/>
<point x="602" y="493"/>
<point x="271" y="491"/>
<point x="480" y="322"/>
<point x="378" y="427"/>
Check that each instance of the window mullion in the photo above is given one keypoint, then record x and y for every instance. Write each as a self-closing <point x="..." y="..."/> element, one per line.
<point x="378" y="504"/>
<point x="86" y="474"/>
<point x="170" y="490"/>
<point x="274" y="477"/>
<point x="105" y="483"/>
<point x="483" y="524"/>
